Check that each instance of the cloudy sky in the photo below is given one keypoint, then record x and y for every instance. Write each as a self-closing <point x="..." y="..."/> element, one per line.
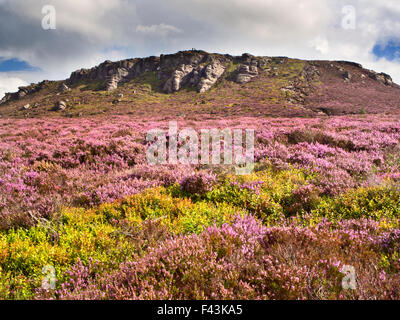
<point x="91" y="31"/>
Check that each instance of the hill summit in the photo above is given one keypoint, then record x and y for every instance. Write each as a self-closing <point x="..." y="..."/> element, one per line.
<point x="210" y="83"/>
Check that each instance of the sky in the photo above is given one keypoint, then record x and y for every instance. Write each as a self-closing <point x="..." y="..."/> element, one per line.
<point x="84" y="33"/>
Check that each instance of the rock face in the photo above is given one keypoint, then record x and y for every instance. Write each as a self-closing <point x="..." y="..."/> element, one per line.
<point x="115" y="77"/>
<point x="178" y="78"/>
<point x="210" y="75"/>
<point x="201" y="71"/>
<point x="197" y="68"/>
<point x="113" y="74"/>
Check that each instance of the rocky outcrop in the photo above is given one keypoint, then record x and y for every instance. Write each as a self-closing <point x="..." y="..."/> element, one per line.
<point x="301" y="87"/>
<point x="250" y="67"/>
<point x="24" y="91"/>
<point x="175" y="69"/>
<point x="246" y="73"/>
<point x="199" y="70"/>
<point x="113" y="74"/>
<point x="178" y="78"/>
<point x="310" y="73"/>
<point x="116" y="77"/>
<point x="382" y="78"/>
<point x="210" y="75"/>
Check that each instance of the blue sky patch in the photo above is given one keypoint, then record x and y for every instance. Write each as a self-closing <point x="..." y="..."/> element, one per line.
<point x="389" y="50"/>
<point x="8" y="65"/>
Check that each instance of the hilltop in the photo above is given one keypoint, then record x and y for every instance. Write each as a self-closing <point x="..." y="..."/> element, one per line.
<point x="198" y="82"/>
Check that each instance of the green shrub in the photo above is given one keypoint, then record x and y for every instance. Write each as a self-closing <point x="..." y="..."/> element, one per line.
<point x="370" y="202"/>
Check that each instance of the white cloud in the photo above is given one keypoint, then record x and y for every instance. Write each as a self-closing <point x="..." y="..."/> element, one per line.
<point x="158" y="30"/>
<point x="9" y="84"/>
<point x="91" y="31"/>
<point x="320" y="44"/>
<point x="93" y="18"/>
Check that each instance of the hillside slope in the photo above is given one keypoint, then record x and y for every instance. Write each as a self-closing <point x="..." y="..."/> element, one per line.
<point x="196" y="81"/>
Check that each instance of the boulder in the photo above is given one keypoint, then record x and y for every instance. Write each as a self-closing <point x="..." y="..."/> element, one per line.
<point x="119" y="98"/>
<point x="347" y="76"/>
<point x="246" y="73"/>
<point x="22" y="93"/>
<point x="60" y="105"/>
<point x="64" y="88"/>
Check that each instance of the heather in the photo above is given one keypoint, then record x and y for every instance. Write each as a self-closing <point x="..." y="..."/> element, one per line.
<point x="246" y="260"/>
<point x="47" y="164"/>
<point x="79" y="195"/>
